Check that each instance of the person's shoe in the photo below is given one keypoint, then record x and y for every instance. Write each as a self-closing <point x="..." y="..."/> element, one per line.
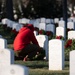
<point x="26" y="58"/>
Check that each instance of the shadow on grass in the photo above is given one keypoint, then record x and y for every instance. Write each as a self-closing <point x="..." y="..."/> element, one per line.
<point x="41" y="68"/>
<point x="34" y="64"/>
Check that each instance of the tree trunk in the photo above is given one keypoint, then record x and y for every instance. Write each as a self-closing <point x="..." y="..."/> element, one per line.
<point x="9" y="9"/>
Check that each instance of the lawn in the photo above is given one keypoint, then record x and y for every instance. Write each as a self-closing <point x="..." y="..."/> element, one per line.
<point x="41" y="68"/>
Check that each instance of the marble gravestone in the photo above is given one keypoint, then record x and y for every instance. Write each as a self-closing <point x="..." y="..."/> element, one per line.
<point x="4" y="21"/>
<point x="50" y="27"/>
<point x="48" y="21"/>
<point x="60" y="31"/>
<point x="56" y="20"/>
<point x="35" y="33"/>
<point x="70" y="25"/>
<point x="61" y="23"/>
<point x="43" y="42"/>
<point x="42" y="26"/>
<point x="3" y="43"/>
<point x="56" y="54"/>
<point x="71" y="34"/>
<point x="6" y="57"/>
<point x="72" y="62"/>
<point x="36" y="24"/>
<point x="42" y="20"/>
<point x="14" y="69"/>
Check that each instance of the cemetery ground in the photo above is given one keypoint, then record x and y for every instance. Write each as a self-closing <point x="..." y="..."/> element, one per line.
<point x="41" y="68"/>
<point x="37" y="67"/>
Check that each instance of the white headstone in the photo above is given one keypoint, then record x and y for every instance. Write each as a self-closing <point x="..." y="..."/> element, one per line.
<point x="43" y="20"/>
<point x="14" y="25"/>
<point x="4" y="21"/>
<point x="35" y="33"/>
<point x="9" y="23"/>
<point x="42" y="26"/>
<point x="72" y="62"/>
<point x="61" y="18"/>
<point x="70" y="25"/>
<point x="36" y="24"/>
<point x="3" y="43"/>
<point x="50" y="27"/>
<point x="14" y="70"/>
<point x="20" y="20"/>
<point x="24" y="21"/>
<point x="61" y="23"/>
<point x="71" y="34"/>
<point x="27" y="20"/>
<point x="51" y="21"/>
<point x="70" y="20"/>
<point x="56" y="20"/>
<point x="18" y="27"/>
<point x="38" y="20"/>
<point x="32" y="21"/>
<point x="60" y="31"/>
<point x="43" y="42"/>
<point x="48" y="21"/>
<point x="6" y="57"/>
<point x="56" y="54"/>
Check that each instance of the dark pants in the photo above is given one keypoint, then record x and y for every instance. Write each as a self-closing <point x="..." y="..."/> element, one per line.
<point x="31" y="50"/>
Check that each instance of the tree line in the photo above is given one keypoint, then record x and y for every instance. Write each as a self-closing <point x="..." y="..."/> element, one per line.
<point x="34" y="8"/>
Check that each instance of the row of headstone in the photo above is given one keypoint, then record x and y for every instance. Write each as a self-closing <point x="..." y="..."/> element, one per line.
<point x="70" y="24"/>
<point x="43" y="39"/>
<point x="7" y="65"/>
<point x="61" y="22"/>
<point x="17" y="26"/>
<point x="44" y="20"/>
<point x="11" y="24"/>
<point x="58" y="31"/>
<point x="39" y="20"/>
<point x="49" y="27"/>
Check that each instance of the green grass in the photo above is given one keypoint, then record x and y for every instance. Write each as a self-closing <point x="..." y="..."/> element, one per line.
<point x="42" y="68"/>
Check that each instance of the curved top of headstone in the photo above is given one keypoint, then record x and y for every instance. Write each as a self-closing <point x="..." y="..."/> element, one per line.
<point x="73" y="51"/>
<point x="71" y="34"/>
<point x="56" y="40"/>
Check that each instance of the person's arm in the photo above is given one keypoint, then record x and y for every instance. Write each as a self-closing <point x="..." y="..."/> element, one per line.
<point x="33" y="38"/>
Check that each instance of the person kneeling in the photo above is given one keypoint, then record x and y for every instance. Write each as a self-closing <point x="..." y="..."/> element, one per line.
<point x="25" y="44"/>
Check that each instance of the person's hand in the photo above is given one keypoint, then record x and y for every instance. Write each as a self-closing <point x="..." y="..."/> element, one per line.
<point x="37" y="53"/>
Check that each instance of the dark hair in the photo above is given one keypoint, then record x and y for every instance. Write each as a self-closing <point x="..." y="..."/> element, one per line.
<point x="30" y="26"/>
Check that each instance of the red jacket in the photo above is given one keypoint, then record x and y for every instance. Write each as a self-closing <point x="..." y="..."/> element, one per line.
<point x="24" y="37"/>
